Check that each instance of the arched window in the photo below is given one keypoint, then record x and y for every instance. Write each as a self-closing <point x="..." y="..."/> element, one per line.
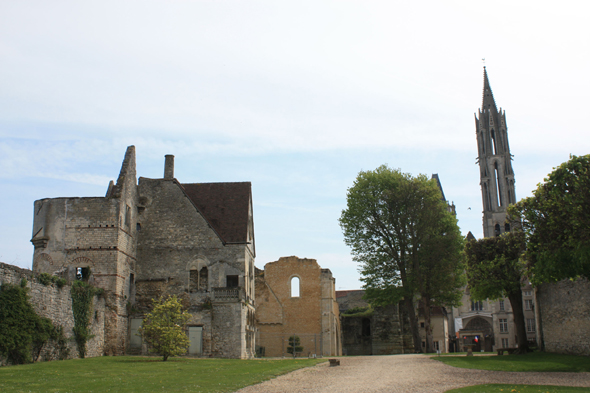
<point x="203" y="278"/>
<point x="295" y="284"/>
<point x="497" y="230"/>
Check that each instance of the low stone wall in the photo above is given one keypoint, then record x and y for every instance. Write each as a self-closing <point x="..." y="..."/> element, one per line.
<point x="564" y="309"/>
<point x="56" y="304"/>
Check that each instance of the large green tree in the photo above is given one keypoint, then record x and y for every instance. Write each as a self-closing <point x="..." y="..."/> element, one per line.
<point x="407" y="242"/>
<point x="495" y="270"/>
<point x="556" y="223"/>
<point x="164" y="328"/>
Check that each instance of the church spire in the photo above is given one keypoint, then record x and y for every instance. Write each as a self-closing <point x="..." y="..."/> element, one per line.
<point x="495" y="163"/>
<point x="488" y="101"/>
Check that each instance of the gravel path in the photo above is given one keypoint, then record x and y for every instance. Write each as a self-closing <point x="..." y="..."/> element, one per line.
<point x="401" y="373"/>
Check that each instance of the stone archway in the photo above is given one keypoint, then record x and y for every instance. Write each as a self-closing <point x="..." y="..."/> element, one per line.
<point x="482" y="329"/>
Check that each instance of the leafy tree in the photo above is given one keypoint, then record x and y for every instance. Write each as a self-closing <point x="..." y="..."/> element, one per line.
<point x="495" y="270"/>
<point x="406" y="240"/>
<point x="164" y="328"/>
<point x="556" y="223"/>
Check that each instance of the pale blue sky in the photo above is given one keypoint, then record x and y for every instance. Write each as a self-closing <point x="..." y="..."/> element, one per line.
<point x="296" y="97"/>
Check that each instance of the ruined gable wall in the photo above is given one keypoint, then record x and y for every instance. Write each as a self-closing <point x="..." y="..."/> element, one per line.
<point x="564" y="309"/>
<point x="299" y="315"/>
<point x="56" y="304"/>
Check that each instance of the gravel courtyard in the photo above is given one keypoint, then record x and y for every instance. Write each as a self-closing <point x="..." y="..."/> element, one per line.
<point x="401" y="373"/>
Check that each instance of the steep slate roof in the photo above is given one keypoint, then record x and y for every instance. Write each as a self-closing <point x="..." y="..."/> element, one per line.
<point x="225" y="206"/>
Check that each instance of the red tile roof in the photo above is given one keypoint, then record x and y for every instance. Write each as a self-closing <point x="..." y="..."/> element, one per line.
<point x="225" y="206"/>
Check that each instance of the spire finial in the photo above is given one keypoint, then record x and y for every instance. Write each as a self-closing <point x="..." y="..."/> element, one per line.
<point x="484" y="62"/>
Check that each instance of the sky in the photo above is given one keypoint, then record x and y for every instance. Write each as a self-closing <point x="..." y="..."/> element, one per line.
<point x="296" y="97"/>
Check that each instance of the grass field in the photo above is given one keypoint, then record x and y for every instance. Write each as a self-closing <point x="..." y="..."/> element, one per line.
<point x="534" y="361"/>
<point x="144" y="374"/>
<point x="496" y="388"/>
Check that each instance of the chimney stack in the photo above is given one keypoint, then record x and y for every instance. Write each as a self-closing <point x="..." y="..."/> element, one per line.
<point x="169" y="167"/>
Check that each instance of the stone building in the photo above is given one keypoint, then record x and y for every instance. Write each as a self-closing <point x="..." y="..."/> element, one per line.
<point x="377" y="331"/>
<point x="153" y="238"/>
<point x="296" y="297"/>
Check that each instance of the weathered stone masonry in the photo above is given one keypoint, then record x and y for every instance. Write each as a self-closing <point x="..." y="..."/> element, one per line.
<point x="56" y="304"/>
<point x="156" y="238"/>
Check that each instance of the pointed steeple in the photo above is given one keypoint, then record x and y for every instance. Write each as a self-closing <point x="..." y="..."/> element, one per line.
<point x="488" y="101"/>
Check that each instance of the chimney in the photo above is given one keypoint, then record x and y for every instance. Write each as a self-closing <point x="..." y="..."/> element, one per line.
<point x="169" y="167"/>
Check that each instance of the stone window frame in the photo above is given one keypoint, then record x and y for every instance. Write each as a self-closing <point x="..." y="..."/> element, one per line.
<point x="196" y="264"/>
<point x="530" y="325"/>
<point x="528" y="304"/>
<point x="298" y="277"/>
<point x="503" y="325"/>
<point x="505" y="343"/>
<point x="502" y="307"/>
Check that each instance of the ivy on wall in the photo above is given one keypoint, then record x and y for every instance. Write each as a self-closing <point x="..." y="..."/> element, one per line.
<point x="82" y="297"/>
<point x="24" y="333"/>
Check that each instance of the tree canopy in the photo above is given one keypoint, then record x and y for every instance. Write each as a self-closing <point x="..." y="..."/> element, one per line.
<point x="407" y="242"/>
<point x="556" y="223"/>
<point x="495" y="270"/>
<point x="164" y="328"/>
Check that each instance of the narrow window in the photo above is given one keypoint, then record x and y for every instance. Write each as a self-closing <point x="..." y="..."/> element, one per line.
<point x="528" y="304"/>
<point x="530" y="325"/>
<point x="498" y="186"/>
<point x="193" y="280"/>
<point x="503" y="325"/>
<point x="295" y="282"/>
<point x="497" y="230"/>
<point x="505" y="343"/>
<point x="501" y="305"/>
<point x="203" y="279"/>
<point x="232" y="281"/>
<point x="494" y="142"/>
<point x="506" y="227"/>
<point x="476" y="306"/>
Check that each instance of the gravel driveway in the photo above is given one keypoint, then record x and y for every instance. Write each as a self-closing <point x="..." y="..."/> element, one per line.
<point x="401" y="373"/>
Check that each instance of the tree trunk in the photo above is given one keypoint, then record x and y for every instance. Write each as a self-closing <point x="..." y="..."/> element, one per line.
<point x="427" y="325"/>
<point x="409" y="303"/>
<point x="517" y="310"/>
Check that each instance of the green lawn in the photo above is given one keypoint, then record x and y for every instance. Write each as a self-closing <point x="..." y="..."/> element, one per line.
<point x="144" y="374"/>
<point x="534" y="361"/>
<point x="495" y="388"/>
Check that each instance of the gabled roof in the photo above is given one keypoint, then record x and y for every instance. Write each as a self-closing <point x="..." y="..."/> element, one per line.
<point x="226" y="206"/>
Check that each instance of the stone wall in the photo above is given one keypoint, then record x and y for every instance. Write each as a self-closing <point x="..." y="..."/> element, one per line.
<point x="564" y="311"/>
<point x="309" y="311"/>
<point x="56" y="304"/>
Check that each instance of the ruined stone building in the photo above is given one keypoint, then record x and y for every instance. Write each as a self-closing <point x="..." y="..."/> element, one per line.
<point x="488" y="325"/>
<point x="157" y="237"/>
<point x="296" y="297"/>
